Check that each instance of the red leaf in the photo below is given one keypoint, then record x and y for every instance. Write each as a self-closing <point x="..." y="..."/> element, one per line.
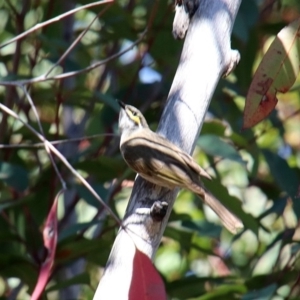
<point x="277" y="71"/>
<point x="50" y="241"/>
<point x="146" y="284"/>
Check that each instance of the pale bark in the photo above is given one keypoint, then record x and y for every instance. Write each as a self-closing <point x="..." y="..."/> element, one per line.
<point x="205" y="57"/>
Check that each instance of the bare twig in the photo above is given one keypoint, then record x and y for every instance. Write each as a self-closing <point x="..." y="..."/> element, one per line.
<point x="63" y="183"/>
<point x="73" y="45"/>
<point x="53" y="20"/>
<point x="73" y="73"/>
<point x="63" y="160"/>
<point x="57" y="142"/>
<point x="46" y="75"/>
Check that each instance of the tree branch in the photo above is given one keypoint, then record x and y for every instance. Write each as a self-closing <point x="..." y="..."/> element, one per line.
<point x="206" y="56"/>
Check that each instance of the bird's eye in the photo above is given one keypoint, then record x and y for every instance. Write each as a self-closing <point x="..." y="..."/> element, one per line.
<point x="134" y="113"/>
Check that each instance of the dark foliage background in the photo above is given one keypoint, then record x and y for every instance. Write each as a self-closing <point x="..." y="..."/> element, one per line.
<point x="197" y="258"/>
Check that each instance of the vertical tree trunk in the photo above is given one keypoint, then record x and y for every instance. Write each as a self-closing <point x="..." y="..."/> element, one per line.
<point x="205" y="57"/>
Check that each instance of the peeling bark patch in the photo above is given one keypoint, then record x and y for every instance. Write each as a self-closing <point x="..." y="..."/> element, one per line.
<point x="158" y="210"/>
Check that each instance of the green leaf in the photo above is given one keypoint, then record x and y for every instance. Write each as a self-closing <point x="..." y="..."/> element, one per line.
<point x="184" y="288"/>
<point x="12" y="265"/>
<point x="261" y="294"/>
<point x="280" y="277"/>
<point x="203" y="228"/>
<point x="14" y="175"/>
<point x="286" y="177"/>
<point x="85" y="194"/>
<point x="215" y="127"/>
<point x="213" y="145"/>
<point x="184" y="237"/>
<point x="193" y="286"/>
<point x="246" y="18"/>
<point x="284" y="238"/>
<point x="229" y="291"/>
<point x="278" y="207"/>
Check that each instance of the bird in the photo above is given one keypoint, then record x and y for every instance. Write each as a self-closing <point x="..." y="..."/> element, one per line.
<point x="161" y="162"/>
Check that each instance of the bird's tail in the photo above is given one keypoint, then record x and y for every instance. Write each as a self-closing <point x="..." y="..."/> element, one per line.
<point x="230" y="221"/>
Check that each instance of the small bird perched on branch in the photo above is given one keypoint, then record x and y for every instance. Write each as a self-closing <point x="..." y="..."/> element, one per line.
<point x="161" y="162"/>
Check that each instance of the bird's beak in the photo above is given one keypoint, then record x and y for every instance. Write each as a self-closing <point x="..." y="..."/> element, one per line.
<point x="122" y="104"/>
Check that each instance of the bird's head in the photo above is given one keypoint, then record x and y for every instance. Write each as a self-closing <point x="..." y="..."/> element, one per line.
<point x="130" y="118"/>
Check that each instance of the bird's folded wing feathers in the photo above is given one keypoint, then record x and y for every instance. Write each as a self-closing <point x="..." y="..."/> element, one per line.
<point x="183" y="156"/>
<point x="146" y="159"/>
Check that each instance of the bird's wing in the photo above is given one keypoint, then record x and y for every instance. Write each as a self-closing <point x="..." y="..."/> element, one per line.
<point x="182" y="156"/>
<point x="139" y="153"/>
<point x="193" y="165"/>
<point x="139" y="149"/>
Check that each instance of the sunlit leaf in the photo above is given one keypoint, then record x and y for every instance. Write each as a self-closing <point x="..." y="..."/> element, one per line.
<point x="276" y="73"/>
<point x="228" y="291"/>
<point x="203" y="228"/>
<point x="184" y="237"/>
<point x="88" y="197"/>
<point x="213" y="145"/>
<point x="277" y="207"/>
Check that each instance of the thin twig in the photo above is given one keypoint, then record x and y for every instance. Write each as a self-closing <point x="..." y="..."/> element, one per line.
<point x="63" y="183"/>
<point x="73" y="45"/>
<point x="73" y="73"/>
<point x="63" y="160"/>
<point x="57" y="142"/>
<point x="53" y="20"/>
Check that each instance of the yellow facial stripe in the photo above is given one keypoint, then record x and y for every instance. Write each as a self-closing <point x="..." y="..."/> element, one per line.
<point x="135" y="119"/>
